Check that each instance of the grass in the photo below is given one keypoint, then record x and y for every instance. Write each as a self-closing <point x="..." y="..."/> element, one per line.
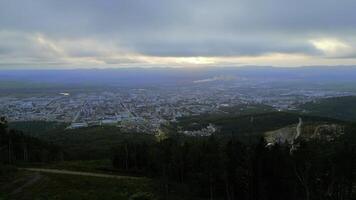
<point x="75" y="187"/>
<point x="83" y="165"/>
<point x="95" y="166"/>
<point x="59" y="186"/>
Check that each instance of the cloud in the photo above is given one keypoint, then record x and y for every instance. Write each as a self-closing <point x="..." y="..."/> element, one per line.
<point x="176" y="33"/>
<point x="332" y="47"/>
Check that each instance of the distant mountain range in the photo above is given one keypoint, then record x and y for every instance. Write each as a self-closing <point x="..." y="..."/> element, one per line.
<point x="178" y="76"/>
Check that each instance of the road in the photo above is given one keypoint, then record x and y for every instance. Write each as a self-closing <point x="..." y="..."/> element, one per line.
<point x="30" y="181"/>
<point x="298" y="132"/>
<point x="57" y="171"/>
<point x="299" y="128"/>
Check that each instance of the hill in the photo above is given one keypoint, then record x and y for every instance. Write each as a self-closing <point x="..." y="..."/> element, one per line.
<point x="245" y="126"/>
<point x="85" y="143"/>
<point x="219" y="166"/>
<point x="91" y="142"/>
<point x="36" y="128"/>
<point x="342" y="108"/>
<point x="17" y="147"/>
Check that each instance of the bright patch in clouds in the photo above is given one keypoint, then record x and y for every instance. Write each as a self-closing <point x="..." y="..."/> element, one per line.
<point x="37" y="49"/>
<point x="333" y="47"/>
<point x="177" y="33"/>
<point x="196" y="60"/>
<point x="47" y="45"/>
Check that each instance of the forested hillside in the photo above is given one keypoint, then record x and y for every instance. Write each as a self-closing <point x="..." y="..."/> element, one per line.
<point x="221" y="166"/>
<point x="17" y="147"/>
<point x="250" y="127"/>
<point x="228" y="169"/>
<point x="343" y="108"/>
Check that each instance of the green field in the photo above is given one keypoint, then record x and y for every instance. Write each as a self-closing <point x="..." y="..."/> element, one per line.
<point x="59" y="186"/>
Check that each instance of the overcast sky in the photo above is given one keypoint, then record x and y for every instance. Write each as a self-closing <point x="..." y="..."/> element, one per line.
<point x="176" y="33"/>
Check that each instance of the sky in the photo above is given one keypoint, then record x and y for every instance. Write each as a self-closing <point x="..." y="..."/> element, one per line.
<point x="65" y="34"/>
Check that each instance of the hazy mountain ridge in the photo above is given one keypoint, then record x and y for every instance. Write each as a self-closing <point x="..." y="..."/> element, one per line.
<point x="156" y="76"/>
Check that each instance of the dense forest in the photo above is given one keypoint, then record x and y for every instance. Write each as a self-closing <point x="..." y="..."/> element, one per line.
<point x="228" y="169"/>
<point x="343" y="108"/>
<point x="17" y="147"/>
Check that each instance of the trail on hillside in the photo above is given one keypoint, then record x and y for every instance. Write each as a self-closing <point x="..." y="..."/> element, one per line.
<point x="32" y="180"/>
<point x="299" y="128"/>
<point x="298" y="132"/>
<point x="79" y="173"/>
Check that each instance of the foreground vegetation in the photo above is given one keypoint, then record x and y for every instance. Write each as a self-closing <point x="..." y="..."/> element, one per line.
<point x="222" y="166"/>
<point x="216" y="169"/>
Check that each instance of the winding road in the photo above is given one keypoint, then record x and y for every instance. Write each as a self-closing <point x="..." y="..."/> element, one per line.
<point x="58" y="171"/>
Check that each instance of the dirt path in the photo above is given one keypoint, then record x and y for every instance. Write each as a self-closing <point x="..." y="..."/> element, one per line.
<point x="32" y="180"/>
<point x="57" y="171"/>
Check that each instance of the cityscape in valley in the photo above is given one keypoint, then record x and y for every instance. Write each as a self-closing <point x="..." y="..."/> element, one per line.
<point x="145" y="109"/>
<point x="177" y="100"/>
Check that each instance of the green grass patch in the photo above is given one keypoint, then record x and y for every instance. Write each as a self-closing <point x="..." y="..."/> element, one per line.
<point x="58" y="186"/>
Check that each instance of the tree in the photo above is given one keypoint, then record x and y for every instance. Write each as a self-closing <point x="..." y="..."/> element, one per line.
<point x="235" y="170"/>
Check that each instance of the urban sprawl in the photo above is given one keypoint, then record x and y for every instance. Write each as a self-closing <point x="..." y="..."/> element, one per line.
<point x="145" y="110"/>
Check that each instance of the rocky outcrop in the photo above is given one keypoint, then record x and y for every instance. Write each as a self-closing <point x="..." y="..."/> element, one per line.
<point x="291" y="134"/>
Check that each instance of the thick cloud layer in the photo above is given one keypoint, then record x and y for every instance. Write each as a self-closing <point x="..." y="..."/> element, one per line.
<point x="104" y="33"/>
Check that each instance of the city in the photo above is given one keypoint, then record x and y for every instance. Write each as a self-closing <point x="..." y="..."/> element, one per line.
<point x="145" y="109"/>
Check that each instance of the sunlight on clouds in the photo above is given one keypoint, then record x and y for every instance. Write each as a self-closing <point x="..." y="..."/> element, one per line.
<point x="176" y="61"/>
<point x="35" y="49"/>
<point x="195" y="60"/>
<point x="278" y="59"/>
<point x="294" y="60"/>
<point x="332" y="47"/>
<point x="48" y="45"/>
<point x="79" y="52"/>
